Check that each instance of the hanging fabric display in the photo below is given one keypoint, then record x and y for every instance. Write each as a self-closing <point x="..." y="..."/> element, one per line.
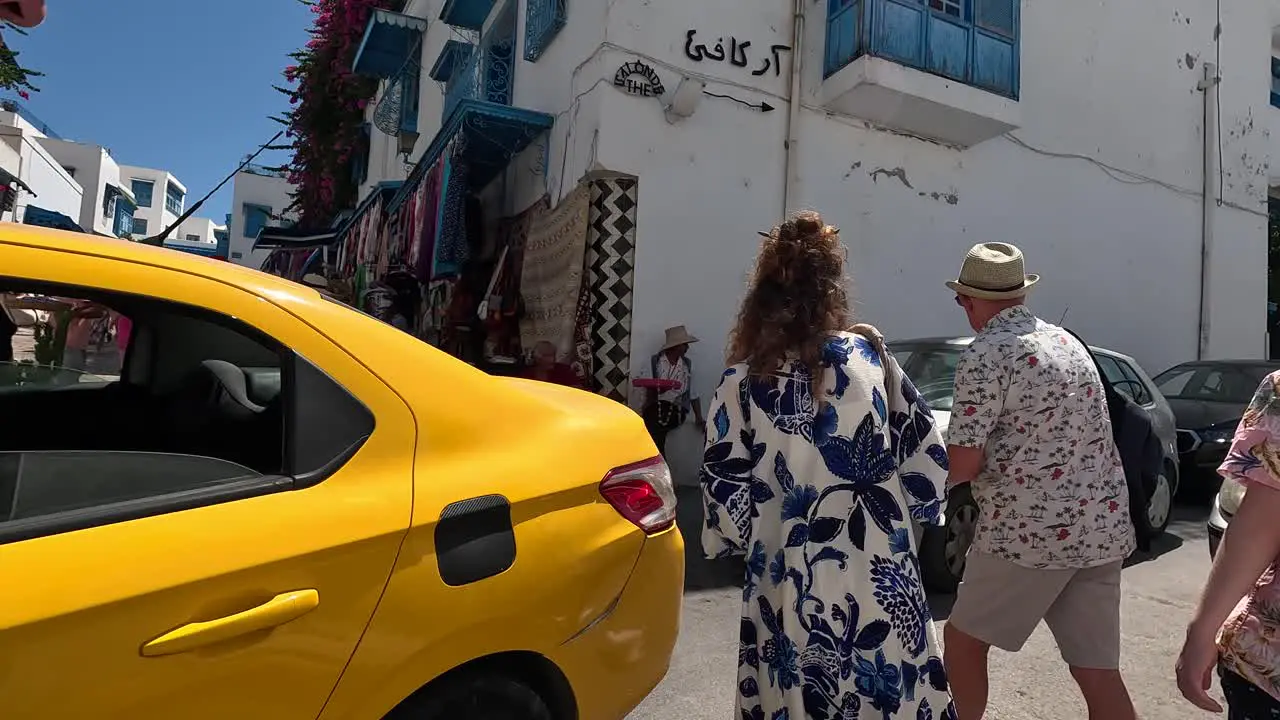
<point x="551" y="276"/>
<point x="422" y="251"/>
<point x="583" y="360"/>
<point x="452" y="248"/>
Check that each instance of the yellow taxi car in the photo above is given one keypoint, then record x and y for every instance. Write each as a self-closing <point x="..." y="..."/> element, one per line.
<point x="282" y="508"/>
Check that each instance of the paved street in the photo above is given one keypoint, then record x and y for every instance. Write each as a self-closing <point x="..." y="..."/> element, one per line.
<point x="1160" y="590"/>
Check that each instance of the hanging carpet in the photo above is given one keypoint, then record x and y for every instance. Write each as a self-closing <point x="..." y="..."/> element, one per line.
<point x="551" y="274"/>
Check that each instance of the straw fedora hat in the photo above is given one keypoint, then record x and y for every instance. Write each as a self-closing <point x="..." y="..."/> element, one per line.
<point x="993" y="271"/>
<point x="677" y="335"/>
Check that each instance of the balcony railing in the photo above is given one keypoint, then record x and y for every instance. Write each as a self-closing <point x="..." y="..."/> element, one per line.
<point x="263" y="170"/>
<point x="22" y="112"/>
<point x="484" y="75"/>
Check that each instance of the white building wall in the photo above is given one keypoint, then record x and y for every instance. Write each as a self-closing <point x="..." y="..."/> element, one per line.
<point x="26" y="158"/>
<point x="55" y="189"/>
<point x="255" y="189"/>
<point x="196" y="231"/>
<point x="95" y="170"/>
<point x="1100" y="184"/>
<point x="156" y="216"/>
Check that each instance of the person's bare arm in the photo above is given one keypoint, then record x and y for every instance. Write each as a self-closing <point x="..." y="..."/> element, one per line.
<point x="89" y="311"/>
<point x="1250" y="545"/>
<point x="964" y="464"/>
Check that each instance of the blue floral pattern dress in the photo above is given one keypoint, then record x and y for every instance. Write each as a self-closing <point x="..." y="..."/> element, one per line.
<point x="819" y="496"/>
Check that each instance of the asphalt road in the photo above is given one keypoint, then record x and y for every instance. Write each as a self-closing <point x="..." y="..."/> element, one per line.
<point x="1160" y="591"/>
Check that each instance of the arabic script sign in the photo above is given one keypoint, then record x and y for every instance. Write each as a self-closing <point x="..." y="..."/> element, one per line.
<point x="636" y="78"/>
<point x="737" y="53"/>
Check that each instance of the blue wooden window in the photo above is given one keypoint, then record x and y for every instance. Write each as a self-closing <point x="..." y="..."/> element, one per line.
<point x="255" y="218"/>
<point x="544" y="19"/>
<point x="971" y="41"/>
<point x="360" y="166"/>
<point x="410" y="98"/>
<point x="140" y="226"/>
<point x="173" y="198"/>
<point x="1275" y="82"/>
<point x="487" y="73"/>
<point x="142" y="190"/>
<point x="124" y="224"/>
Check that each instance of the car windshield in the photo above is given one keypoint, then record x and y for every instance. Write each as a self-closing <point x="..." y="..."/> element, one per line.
<point x="1226" y="382"/>
<point x="932" y="368"/>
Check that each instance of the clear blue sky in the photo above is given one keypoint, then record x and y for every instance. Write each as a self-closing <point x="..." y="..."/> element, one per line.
<point x="182" y="85"/>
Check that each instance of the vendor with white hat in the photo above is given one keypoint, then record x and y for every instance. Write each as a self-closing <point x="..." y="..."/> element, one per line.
<point x="666" y="410"/>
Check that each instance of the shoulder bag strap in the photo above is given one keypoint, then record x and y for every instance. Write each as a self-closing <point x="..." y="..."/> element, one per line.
<point x="876" y="338"/>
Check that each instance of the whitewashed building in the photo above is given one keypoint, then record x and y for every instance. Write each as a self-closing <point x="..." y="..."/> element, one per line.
<point x="107" y="206"/>
<point x="40" y="179"/>
<point x="919" y="127"/>
<point x="160" y="196"/>
<point x="258" y="199"/>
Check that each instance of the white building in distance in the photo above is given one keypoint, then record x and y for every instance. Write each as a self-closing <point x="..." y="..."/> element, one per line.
<point x="259" y="197"/>
<point x="161" y="198"/>
<point x="43" y="182"/>
<point x="108" y="205"/>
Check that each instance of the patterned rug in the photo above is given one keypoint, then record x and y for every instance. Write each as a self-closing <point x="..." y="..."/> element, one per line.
<point x="551" y="274"/>
<point x="610" y="274"/>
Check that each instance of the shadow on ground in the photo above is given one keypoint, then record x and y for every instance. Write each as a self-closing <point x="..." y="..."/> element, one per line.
<point x="699" y="572"/>
<point x="1187" y="523"/>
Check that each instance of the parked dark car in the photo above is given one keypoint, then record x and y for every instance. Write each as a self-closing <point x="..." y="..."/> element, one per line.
<point x="1208" y="398"/>
<point x="931" y="365"/>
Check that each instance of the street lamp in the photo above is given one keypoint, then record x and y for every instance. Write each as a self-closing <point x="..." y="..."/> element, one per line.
<point x="408" y="138"/>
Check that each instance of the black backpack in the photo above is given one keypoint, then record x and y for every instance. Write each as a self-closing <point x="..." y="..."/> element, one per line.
<point x="1141" y="452"/>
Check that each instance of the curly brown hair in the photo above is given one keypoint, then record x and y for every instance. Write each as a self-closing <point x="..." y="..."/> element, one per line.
<point x="796" y="299"/>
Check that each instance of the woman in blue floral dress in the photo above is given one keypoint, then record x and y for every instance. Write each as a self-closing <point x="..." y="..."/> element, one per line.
<point x="819" y="455"/>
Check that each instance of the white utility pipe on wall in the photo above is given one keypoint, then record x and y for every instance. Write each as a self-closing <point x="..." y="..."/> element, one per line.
<point x="1209" y="85"/>
<point x="793" y="110"/>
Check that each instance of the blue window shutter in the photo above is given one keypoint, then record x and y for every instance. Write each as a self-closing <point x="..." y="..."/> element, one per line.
<point x="139" y="226"/>
<point x="997" y="16"/>
<point x="410" y="97"/>
<point x="543" y="21"/>
<point x="1275" y="82"/>
<point x="972" y="41"/>
<point x="844" y="36"/>
<point x="360" y="165"/>
<point x="255" y="218"/>
<point x="142" y="190"/>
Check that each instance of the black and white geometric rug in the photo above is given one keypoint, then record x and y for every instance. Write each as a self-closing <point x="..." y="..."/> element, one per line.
<point x="611" y="251"/>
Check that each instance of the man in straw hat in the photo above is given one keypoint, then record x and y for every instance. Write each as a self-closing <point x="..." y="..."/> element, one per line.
<point x="667" y="410"/>
<point x="1031" y="435"/>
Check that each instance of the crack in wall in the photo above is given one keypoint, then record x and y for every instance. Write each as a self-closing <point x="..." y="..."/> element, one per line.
<point x="897" y="172"/>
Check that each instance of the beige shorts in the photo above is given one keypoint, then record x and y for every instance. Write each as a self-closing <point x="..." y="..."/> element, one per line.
<point x="1000" y="603"/>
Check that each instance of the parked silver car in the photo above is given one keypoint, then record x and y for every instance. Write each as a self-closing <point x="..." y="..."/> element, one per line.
<point x="931" y="365"/>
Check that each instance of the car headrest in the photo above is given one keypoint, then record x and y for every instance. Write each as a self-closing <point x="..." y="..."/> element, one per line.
<point x="263" y="384"/>
<point x="231" y="381"/>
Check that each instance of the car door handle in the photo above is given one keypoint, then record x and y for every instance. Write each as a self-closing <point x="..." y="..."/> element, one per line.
<point x="277" y="611"/>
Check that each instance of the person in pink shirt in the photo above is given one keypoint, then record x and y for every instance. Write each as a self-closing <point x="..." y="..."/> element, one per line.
<point x="1236" y="626"/>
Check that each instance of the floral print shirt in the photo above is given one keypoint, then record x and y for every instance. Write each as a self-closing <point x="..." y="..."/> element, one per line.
<point x="1250" y="639"/>
<point x="1051" y="492"/>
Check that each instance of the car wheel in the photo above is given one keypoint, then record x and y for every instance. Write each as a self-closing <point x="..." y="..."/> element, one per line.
<point x="944" y="548"/>
<point x="476" y="697"/>
<point x="1160" y="504"/>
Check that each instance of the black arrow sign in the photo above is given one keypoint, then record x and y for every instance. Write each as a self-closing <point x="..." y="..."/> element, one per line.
<point x="762" y="106"/>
